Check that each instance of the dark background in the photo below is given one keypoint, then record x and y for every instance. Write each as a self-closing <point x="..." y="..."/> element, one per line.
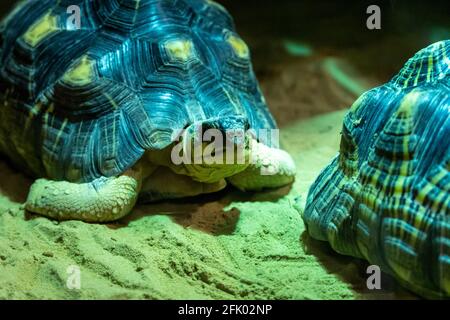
<point x="339" y="27"/>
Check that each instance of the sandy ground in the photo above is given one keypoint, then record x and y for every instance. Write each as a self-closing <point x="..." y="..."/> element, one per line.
<point x="229" y="245"/>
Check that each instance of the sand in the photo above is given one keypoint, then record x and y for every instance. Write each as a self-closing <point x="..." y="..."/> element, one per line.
<point x="228" y="245"/>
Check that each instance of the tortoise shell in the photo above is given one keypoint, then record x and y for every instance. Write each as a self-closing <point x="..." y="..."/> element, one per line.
<point x="386" y="196"/>
<point x="79" y="103"/>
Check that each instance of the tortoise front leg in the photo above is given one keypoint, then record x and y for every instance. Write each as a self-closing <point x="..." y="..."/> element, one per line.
<point x="102" y="200"/>
<point x="269" y="168"/>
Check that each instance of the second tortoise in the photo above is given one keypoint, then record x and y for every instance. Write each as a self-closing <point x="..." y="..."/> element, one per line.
<point x="386" y="196"/>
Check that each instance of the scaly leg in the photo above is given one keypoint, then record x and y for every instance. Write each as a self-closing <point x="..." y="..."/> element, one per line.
<point x="102" y="200"/>
<point x="269" y="168"/>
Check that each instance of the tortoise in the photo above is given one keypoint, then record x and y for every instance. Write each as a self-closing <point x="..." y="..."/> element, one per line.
<point x="386" y="196"/>
<point x="92" y="111"/>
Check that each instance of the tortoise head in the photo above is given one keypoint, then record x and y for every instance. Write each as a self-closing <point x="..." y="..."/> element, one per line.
<point x="209" y="151"/>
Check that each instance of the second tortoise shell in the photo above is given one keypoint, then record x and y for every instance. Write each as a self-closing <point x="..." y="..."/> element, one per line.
<point x="386" y="196"/>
